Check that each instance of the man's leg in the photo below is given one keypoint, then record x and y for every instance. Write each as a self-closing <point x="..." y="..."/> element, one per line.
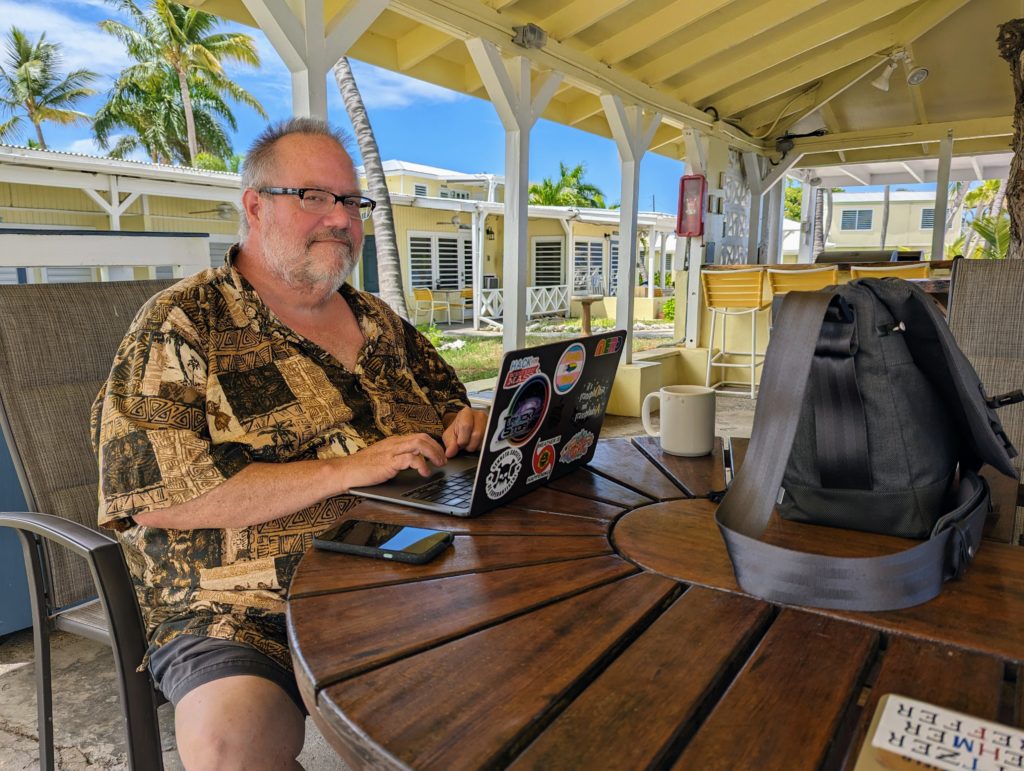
<point x="240" y="722"/>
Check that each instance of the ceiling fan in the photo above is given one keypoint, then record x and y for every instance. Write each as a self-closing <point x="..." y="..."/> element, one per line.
<point x="223" y="210"/>
<point x="454" y="221"/>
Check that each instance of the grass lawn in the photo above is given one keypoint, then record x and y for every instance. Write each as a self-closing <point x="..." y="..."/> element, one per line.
<point x="481" y="357"/>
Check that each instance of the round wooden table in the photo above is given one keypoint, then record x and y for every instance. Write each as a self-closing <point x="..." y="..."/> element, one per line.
<point x="596" y="623"/>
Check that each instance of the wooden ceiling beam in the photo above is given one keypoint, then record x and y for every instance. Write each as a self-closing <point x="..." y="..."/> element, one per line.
<point x="675" y="16"/>
<point x="816" y="49"/>
<point x="578" y="15"/>
<point x="743" y="27"/>
<point x="828" y="89"/>
<point x="419" y="44"/>
<point x="1000" y="128"/>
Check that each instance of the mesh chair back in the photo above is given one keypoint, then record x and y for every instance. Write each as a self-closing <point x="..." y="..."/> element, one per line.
<point x="423" y="295"/>
<point x="733" y="288"/>
<point x="986" y="316"/>
<point x="802" y="279"/>
<point x="57" y="344"/>
<point x="920" y="270"/>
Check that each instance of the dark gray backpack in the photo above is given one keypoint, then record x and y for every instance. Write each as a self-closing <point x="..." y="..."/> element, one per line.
<point x="869" y="417"/>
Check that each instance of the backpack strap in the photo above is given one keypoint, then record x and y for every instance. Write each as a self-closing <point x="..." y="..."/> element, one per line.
<point x="888" y="582"/>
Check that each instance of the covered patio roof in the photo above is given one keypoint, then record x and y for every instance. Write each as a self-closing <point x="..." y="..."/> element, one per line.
<point x="748" y="71"/>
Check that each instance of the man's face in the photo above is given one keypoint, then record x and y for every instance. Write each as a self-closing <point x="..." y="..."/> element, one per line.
<point x="307" y="250"/>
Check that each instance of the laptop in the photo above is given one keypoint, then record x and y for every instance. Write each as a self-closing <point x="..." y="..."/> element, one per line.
<point x="549" y="404"/>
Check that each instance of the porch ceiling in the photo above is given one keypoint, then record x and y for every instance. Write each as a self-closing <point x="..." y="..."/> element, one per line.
<point x="764" y="67"/>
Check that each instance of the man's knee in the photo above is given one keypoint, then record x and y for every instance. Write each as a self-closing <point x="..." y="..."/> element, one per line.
<point x="238" y="722"/>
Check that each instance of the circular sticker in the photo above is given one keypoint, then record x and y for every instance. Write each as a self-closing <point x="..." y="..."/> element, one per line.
<point x="527" y="410"/>
<point x="570" y="368"/>
<point x="543" y="458"/>
<point x="503" y="473"/>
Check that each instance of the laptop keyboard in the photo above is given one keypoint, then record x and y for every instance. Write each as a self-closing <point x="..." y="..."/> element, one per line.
<point x="451" y="489"/>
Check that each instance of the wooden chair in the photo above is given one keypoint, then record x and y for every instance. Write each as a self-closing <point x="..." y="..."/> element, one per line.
<point x="734" y="293"/>
<point x="917" y="270"/>
<point x="801" y="279"/>
<point x="57" y="343"/>
<point x="425" y="303"/>
<point x="463" y="304"/>
<point x="986" y="315"/>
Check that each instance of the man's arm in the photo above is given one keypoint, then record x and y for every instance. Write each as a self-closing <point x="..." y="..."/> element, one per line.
<point x="261" y="492"/>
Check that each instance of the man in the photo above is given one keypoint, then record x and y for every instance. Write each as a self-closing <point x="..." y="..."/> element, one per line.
<point x="243" y="404"/>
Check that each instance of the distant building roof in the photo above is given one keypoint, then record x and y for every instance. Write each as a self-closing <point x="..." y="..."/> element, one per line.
<point x="878" y="196"/>
<point x="434" y="172"/>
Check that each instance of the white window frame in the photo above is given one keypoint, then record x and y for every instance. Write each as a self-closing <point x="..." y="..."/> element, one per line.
<point x="928" y="210"/>
<point x="419" y="190"/>
<point x="536" y="241"/>
<point x="593" y="260"/>
<point x="857" y="216"/>
<point x="438" y="270"/>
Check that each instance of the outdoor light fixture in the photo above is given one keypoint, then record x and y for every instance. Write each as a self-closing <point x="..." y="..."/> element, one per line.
<point x="529" y="36"/>
<point x="490" y="234"/>
<point x="917" y="76"/>
<point x="882" y="81"/>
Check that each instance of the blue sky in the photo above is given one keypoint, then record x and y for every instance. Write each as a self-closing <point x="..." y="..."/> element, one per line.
<point x="413" y="120"/>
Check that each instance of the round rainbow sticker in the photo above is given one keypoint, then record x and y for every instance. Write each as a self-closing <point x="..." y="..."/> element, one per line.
<point x="570" y="368"/>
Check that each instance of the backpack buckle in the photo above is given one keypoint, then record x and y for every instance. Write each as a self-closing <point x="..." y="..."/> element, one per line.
<point x="960" y="550"/>
<point x="1005" y="400"/>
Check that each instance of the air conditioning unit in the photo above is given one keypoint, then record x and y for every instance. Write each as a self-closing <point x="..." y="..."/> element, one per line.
<point x="490" y="281"/>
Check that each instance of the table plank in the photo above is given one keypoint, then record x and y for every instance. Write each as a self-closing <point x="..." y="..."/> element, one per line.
<point x="633" y="713"/>
<point x="344" y="634"/>
<point x="969" y="682"/>
<point x="788" y="701"/>
<point x="500" y="521"/>
<point x="984" y="611"/>
<point x="698" y="476"/>
<point x="620" y="459"/>
<point x="471" y="702"/>
<point x="324" y="571"/>
<point x="547" y="499"/>
<point x="587" y="484"/>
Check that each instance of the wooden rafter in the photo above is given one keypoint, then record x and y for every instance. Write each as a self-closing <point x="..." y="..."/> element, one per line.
<point x="576" y="16"/>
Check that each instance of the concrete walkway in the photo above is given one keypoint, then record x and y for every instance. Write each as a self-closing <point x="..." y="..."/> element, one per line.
<point x="87" y="715"/>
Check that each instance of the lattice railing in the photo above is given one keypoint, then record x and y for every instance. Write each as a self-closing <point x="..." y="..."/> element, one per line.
<point x="542" y="300"/>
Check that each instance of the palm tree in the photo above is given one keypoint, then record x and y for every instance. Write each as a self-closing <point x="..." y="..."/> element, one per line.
<point x="885" y="216"/>
<point x="151" y="110"/>
<point x="180" y="40"/>
<point x="569" y="189"/>
<point x="30" y="81"/>
<point x="389" y="268"/>
<point x="819" y="234"/>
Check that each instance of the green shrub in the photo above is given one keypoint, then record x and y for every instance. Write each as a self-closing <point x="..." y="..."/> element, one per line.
<point x="432" y="333"/>
<point x="668" y="310"/>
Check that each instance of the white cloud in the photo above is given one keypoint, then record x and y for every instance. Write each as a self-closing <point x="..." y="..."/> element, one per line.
<point x="84" y="44"/>
<point x="383" y="89"/>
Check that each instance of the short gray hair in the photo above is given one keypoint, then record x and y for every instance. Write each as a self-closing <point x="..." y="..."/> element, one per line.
<point x="259" y="161"/>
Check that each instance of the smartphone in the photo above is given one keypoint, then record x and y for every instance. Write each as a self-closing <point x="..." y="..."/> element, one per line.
<point x="400" y="543"/>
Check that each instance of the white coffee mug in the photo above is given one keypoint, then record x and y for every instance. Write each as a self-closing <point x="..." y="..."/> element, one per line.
<point x="687" y="423"/>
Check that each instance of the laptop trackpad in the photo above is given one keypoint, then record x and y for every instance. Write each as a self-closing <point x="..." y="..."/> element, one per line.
<point x="410" y="479"/>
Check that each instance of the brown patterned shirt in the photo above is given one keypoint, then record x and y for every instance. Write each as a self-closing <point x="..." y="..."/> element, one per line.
<point x="208" y="380"/>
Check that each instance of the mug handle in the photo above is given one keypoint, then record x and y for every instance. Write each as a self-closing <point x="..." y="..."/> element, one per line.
<point x="645" y="413"/>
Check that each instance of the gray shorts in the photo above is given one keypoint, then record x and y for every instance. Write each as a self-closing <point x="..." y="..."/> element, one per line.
<point x="188" y="661"/>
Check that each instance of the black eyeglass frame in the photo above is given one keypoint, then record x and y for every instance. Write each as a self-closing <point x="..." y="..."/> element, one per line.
<point x="345" y="200"/>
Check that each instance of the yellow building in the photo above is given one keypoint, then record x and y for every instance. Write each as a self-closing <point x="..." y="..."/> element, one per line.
<point x="857" y="221"/>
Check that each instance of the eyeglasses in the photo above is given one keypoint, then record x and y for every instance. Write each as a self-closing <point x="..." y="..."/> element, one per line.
<point x="317" y="201"/>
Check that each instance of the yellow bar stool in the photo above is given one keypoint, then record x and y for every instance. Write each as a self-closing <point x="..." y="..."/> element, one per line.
<point x="734" y="293"/>
<point x="801" y="279"/>
<point x="916" y="270"/>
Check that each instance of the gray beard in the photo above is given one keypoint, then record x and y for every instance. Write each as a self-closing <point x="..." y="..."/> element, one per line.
<point x="295" y="266"/>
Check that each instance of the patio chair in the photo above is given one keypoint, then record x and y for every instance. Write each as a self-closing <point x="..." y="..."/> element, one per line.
<point x="57" y="343"/>
<point x="425" y="303"/>
<point x="917" y="270"/>
<point x="801" y="279"/>
<point x="462" y="304"/>
<point x="986" y="315"/>
<point x="734" y="293"/>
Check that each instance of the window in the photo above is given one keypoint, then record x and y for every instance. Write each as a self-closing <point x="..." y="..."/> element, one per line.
<point x="419" y="190"/>
<point x="547" y="261"/>
<point x="855" y="219"/>
<point x="613" y="266"/>
<point x="927" y="219"/>
<point x="438" y="261"/>
<point x="588" y="266"/>
<point x="461" y="195"/>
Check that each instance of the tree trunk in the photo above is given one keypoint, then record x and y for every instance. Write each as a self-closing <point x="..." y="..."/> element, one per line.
<point x="389" y="266"/>
<point x="190" y="120"/>
<point x="1011" y="48"/>
<point x="954" y="209"/>
<point x="885" y="217"/>
<point x="39" y="134"/>
<point x="818" y="245"/>
<point x="828" y="215"/>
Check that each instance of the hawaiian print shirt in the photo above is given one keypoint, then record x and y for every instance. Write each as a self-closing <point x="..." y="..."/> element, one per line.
<point x="208" y="380"/>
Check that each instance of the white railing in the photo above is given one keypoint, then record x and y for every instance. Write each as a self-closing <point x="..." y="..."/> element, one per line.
<point x="492" y="304"/>
<point x="547" y="299"/>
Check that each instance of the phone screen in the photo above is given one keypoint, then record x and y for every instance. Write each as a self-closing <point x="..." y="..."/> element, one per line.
<point x="413" y="540"/>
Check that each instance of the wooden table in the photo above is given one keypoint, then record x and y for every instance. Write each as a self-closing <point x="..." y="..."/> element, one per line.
<point x="596" y="623"/>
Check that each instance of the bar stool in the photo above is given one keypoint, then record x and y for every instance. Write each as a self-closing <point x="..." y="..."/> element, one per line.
<point x="734" y="293"/>
<point x="808" y="279"/>
<point x="917" y="270"/>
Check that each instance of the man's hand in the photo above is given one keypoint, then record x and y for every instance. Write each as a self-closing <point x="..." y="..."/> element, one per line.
<point x="382" y="460"/>
<point x="465" y="432"/>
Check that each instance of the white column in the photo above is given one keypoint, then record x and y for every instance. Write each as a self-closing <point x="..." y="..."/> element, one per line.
<point x="774" y="215"/>
<point x="307" y="46"/>
<point x="752" y="169"/>
<point x="633" y="131"/>
<point x="652" y="247"/>
<point x="663" y="262"/>
<point x="942" y="197"/>
<point x="807" y="199"/>
<point x="478" y="226"/>
<point x="509" y="87"/>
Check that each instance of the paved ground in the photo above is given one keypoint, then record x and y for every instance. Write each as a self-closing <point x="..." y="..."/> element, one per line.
<point x="86" y="711"/>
